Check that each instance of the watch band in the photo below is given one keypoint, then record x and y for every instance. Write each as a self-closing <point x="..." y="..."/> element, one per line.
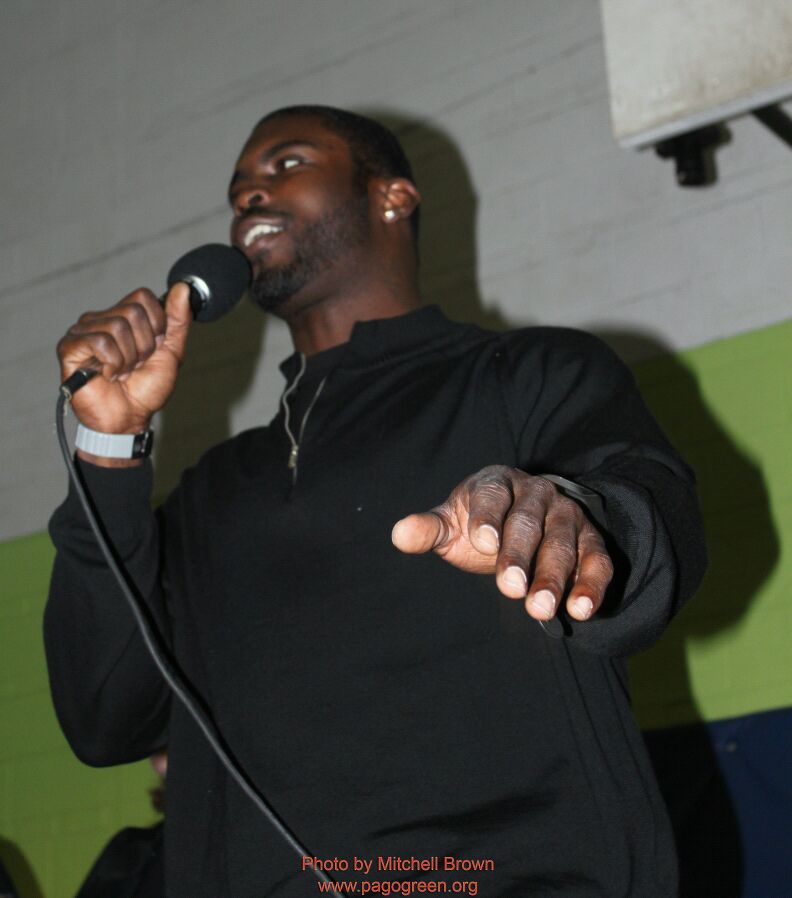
<point x="114" y="445"/>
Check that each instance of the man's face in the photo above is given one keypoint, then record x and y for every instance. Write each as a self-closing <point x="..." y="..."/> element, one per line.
<point x="298" y="212"/>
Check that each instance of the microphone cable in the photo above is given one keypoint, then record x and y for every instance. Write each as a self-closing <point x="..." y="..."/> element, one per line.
<point x="161" y="656"/>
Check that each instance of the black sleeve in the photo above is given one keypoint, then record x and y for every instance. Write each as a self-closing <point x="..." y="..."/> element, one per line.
<point x="111" y="700"/>
<point x="577" y="412"/>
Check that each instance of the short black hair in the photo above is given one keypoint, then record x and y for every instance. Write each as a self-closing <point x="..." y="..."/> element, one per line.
<point x="375" y="150"/>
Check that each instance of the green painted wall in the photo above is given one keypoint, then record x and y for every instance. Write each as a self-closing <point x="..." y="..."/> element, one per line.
<point x="55" y="813"/>
<point x="727" y="406"/>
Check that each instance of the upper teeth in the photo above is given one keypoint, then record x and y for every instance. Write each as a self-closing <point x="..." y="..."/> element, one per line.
<point x="258" y="230"/>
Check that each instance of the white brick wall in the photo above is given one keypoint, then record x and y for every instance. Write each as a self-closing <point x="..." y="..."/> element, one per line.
<point x="122" y="122"/>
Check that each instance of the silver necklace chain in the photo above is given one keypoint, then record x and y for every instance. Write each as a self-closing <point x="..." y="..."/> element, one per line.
<point x="295" y="443"/>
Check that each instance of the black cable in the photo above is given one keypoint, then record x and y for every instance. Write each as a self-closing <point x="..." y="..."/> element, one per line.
<point x="165" y="663"/>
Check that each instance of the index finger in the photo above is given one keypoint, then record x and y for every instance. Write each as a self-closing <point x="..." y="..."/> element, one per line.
<point x="490" y="497"/>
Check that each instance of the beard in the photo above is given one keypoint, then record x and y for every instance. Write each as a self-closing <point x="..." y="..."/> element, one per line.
<point x="315" y="250"/>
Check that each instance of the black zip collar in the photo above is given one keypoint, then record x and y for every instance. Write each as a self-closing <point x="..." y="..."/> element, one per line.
<point x="379" y="341"/>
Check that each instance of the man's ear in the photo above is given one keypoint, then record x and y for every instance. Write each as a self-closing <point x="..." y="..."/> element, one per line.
<point x="396" y="198"/>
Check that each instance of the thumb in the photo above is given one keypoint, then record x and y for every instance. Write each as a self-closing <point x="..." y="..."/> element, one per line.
<point x="419" y="533"/>
<point x="179" y="315"/>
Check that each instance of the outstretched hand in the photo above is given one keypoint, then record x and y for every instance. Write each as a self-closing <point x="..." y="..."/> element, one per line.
<point x="538" y="543"/>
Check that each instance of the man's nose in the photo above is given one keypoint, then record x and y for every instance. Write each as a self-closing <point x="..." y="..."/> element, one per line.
<point x="251" y="196"/>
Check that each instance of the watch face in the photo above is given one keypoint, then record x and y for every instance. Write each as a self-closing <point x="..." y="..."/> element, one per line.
<point x="143" y="444"/>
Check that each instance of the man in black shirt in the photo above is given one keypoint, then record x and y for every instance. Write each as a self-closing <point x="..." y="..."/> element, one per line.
<point x="390" y="707"/>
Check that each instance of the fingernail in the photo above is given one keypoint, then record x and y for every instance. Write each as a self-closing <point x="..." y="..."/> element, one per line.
<point x="543" y="602"/>
<point x="583" y="606"/>
<point x="515" y="577"/>
<point x="487" y="536"/>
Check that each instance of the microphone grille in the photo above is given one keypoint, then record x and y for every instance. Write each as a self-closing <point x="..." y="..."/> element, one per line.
<point x="224" y="270"/>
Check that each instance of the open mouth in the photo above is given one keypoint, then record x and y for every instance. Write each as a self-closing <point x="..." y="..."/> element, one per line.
<point x="263" y="229"/>
<point x="255" y="233"/>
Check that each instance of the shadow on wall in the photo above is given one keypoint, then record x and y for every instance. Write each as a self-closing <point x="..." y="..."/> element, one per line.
<point x="742" y="540"/>
<point x="19" y="870"/>
<point x="448" y="220"/>
<point x="744" y="550"/>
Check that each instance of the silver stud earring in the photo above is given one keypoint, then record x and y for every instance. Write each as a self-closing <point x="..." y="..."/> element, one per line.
<point x="390" y="215"/>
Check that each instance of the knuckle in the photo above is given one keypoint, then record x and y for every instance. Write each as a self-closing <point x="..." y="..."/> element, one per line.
<point x="602" y="566"/>
<point x="487" y="492"/>
<point x="103" y="343"/>
<point x="560" y="550"/>
<point x="119" y="326"/>
<point x="135" y="313"/>
<point x="570" y="506"/>
<point x="445" y="527"/>
<point x="536" y="490"/>
<point x="140" y="294"/>
<point x="544" y="489"/>
<point x="525" y="523"/>
<point x="591" y="539"/>
<point x="443" y="510"/>
<point x="66" y="345"/>
<point x="531" y="506"/>
<point x="493" y="476"/>
<point x="563" y="505"/>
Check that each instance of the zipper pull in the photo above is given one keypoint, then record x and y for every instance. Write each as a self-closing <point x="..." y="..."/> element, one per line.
<point x="292" y="464"/>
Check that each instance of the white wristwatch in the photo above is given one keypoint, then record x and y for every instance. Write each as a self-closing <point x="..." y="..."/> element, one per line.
<point x="114" y="445"/>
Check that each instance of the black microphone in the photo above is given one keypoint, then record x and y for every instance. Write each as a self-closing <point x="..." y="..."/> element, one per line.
<point x="217" y="276"/>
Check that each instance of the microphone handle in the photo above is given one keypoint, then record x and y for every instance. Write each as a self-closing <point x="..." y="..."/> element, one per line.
<point x="199" y="295"/>
<point x="76" y="380"/>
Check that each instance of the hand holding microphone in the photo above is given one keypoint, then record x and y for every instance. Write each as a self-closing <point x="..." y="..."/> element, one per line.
<point x="138" y="344"/>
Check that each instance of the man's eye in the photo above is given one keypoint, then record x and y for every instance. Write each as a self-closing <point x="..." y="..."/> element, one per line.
<point x="289" y="162"/>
